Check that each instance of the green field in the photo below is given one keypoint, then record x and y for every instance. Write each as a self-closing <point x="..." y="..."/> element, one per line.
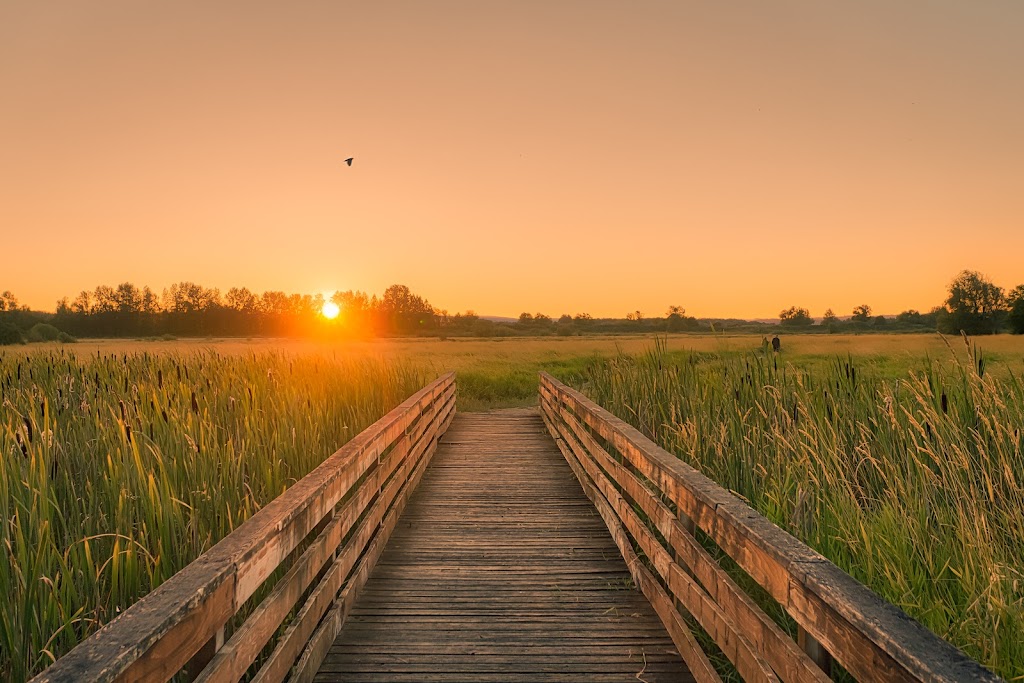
<point x="897" y="456"/>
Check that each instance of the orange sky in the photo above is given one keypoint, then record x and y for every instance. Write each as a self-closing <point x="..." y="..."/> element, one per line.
<point x="735" y="158"/>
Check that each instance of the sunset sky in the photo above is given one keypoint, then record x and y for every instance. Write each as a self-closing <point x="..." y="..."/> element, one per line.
<point x="735" y="158"/>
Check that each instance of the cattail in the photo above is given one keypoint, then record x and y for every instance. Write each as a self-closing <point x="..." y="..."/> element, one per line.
<point x="159" y="379"/>
<point x="28" y="428"/>
<point x="195" y="404"/>
<point x="945" y="403"/>
<point x="163" y="414"/>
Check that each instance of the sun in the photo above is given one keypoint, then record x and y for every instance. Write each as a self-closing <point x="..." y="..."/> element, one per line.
<point x="330" y="310"/>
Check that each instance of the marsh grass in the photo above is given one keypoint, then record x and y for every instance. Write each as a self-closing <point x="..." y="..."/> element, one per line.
<point x="914" y="484"/>
<point x="117" y="470"/>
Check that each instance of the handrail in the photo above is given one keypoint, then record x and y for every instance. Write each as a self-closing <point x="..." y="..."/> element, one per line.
<point x="623" y="471"/>
<point x="338" y="517"/>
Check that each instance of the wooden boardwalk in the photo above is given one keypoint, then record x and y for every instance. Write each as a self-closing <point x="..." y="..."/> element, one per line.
<point x="504" y="546"/>
<point x="501" y="569"/>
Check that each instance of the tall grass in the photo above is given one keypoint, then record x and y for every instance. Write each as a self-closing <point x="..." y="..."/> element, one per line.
<point x="913" y="485"/>
<point x="116" y="471"/>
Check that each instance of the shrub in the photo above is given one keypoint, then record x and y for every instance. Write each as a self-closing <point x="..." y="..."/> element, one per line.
<point x="9" y="334"/>
<point x="42" y="332"/>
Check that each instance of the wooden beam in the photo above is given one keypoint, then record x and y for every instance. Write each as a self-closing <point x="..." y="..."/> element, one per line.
<point x="871" y="638"/>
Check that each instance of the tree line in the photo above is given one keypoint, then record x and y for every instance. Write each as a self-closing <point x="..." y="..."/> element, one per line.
<point x="974" y="305"/>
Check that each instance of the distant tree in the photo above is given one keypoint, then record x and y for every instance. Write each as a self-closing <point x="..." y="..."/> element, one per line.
<point x="63" y="307"/>
<point x="10" y="334"/>
<point x="909" y="317"/>
<point x="862" y="313"/>
<point x="274" y="303"/>
<point x="188" y="297"/>
<point x="830" y="320"/>
<point x="8" y="302"/>
<point x="149" y="302"/>
<point x="541" y="319"/>
<point x="104" y="299"/>
<point x="583" y="321"/>
<point x="525" y="318"/>
<point x="82" y="305"/>
<point x="796" y="317"/>
<point x="242" y="300"/>
<point x="127" y="298"/>
<point x="405" y="311"/>
<point x="1015" y="301"/>
<point x="974" y="304"/>
<point x="635" y="316"/>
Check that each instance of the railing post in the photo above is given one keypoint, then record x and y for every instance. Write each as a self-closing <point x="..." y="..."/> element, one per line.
<point x="200" y="659"/>
<point x="818" y="654"/>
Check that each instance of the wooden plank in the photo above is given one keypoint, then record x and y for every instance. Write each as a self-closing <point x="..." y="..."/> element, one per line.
<point x="748" y="661"/>
<point x="688" y="647"/>
<point x="160" y="633"/>
<point x="499" y="566"/>
<point x="291" y="644"/>
<point x="720" y="594"/>
<point x="232" y="661"/>
<point x="871" y="638"/>
<point x="317" y="648"/>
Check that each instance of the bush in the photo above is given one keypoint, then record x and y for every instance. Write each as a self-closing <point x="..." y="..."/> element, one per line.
<point x="42" y="332"/>
<point x="9" y="334"/>
<point x="65" y="338"/>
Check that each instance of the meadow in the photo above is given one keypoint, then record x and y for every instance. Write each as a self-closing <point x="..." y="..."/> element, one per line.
<point x="897" y="456"/>
<point x="117" y="470"/>
<point x="912" y="482"/>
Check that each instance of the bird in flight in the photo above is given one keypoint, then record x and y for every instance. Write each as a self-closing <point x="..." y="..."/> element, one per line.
<point x="349" y="161"/>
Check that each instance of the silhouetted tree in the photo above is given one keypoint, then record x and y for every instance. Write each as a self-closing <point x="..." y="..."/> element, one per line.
<point x="1015" y="301"/>
<point x="8" y="302"/>
<point x="830" y="320"/>
<point x="974" y="304"/>
<point x="795" y="317"/>
<point x="861" y="314"/>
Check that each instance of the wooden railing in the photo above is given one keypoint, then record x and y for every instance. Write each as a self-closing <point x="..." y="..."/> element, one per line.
<point x="653" y="502"/>
<point x="319" y="539"/>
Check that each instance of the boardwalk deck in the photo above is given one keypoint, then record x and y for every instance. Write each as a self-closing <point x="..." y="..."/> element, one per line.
<point x="501" y="569"/>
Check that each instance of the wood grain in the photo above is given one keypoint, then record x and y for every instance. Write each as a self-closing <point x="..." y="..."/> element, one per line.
<point x="501" y="569"/>
<point x="872" y="639"/>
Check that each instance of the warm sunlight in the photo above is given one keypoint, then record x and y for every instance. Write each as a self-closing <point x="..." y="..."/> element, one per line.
<point x="330" y="310"/>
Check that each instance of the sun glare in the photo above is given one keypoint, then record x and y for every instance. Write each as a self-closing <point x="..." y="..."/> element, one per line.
<point x="330" y="310"/>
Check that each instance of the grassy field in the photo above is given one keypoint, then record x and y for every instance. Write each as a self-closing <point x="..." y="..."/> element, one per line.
<point x="124" y="460"/>
<point x="910" y="480"/>
<point x="118" y="470"/>
<point x="501" y="372"/>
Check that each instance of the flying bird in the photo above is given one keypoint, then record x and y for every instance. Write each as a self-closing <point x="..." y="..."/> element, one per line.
<point x="349" y="161"/>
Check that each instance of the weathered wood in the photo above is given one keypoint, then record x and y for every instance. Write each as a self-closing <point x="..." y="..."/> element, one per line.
<point x="748" y="661"/>
<point x="499" y="568"/>
<point x="294" y="640"/>
<point x="688" y="647"/>
<point x="872" y="639"/>
<point x="163" y="631"/>
<point x="250" y="638"/>
<point x="316" y="650"/>
<point x="721" y="607"/>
